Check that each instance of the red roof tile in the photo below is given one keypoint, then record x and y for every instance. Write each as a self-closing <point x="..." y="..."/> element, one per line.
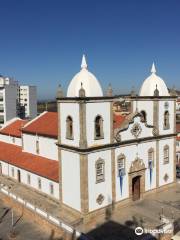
<point x="14" y="128"/>
<point x="41" y="166"/>
<point x="178" y="138"/>
<point x="178" y="127"/>
<point x="118" y="120"/>
<point x="45" y="125"/>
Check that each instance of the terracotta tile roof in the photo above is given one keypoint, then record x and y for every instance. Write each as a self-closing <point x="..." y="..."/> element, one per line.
<point x="14" y="128"/>
<point x="41" y="166"/>
<point x="178" y="127"/>
<point x="118" y="120"/>
<point x="45" y="125"/>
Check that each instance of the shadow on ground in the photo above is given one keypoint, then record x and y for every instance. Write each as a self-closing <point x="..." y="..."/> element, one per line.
<point x="114" y="231"/>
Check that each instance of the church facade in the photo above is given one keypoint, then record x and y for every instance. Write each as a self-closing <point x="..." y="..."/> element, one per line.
<point x="89" y="157"/>
<point x="107" y="159"/>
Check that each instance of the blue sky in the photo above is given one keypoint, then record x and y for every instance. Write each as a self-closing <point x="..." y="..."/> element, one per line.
<point x="42" y="42"/>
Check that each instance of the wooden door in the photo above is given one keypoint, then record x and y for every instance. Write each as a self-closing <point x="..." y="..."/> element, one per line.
<point x="136" y="188"/>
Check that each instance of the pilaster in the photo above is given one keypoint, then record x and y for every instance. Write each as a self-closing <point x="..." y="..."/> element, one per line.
<point x="59" y="153"/>
<point x="157" y="163"/>
<point x="82" y="124"/>
<point x="174" y="140"/>
<point x="84" y="184"/>
<point x="156" y="115"/>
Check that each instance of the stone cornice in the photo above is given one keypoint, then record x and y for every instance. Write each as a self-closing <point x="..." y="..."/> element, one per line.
<point x="112" y="145"/>
<point x="113" y="98"/>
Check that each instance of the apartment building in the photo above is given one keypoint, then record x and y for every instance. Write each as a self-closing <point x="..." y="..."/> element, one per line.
<point x="16" y="100"/>
<point x="27" y="96"/>
<point x="8" y="99"/>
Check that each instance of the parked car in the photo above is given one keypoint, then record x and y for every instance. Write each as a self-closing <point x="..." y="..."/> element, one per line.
<point x="178" y="171"/>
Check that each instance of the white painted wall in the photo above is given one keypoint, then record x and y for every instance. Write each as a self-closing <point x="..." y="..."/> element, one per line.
<point x="92" y="110"/>
<point x="131" y="152"/>
<point x="70" y="165"/>
<point x="69" y="109"/>
<point x="45" y="183"/>
<point x="47" y="146"/>
<point x="146" y="132"/>
<point x="104" y="188"/>
<point x="147" y="106"/>
<point x="9" y="139"/>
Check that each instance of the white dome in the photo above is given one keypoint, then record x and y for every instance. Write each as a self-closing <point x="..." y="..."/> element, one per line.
<point x="86" y="79"/>
<point x="153" y="82"/>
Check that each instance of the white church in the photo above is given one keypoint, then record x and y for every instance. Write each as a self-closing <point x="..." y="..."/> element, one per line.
<point x="88" y="157"/>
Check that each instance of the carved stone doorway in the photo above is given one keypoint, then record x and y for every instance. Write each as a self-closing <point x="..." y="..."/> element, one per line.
<point x="137" y="179"/>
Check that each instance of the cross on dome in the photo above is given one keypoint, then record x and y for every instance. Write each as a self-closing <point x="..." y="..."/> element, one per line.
<point x="153" y="68"/>
<point x="83" y="63"/>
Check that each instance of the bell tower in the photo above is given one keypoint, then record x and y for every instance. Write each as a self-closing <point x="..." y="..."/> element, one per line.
<point x="85" y="131"/>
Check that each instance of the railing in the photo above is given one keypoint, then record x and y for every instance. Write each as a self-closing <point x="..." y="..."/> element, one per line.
<point x="54" y="220"/>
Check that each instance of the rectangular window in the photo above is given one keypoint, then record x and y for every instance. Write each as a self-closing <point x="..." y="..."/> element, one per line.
<point x="51" y="186"/>
<point x="12" y="172"/>
<point x="39" y="183"/>
<point x="121" y="166"/>
<point x="120" y="163"/>
<point x="37" y="146"/>
<point x="99" y="171"/>
<point x="29" y="179"/>
<point x="166" y="155"/>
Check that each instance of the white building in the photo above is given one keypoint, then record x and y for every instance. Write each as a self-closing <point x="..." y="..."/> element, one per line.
<point x="89" y="158"/>
<point x="28" y="101"/>
<point x="8" y="99"/>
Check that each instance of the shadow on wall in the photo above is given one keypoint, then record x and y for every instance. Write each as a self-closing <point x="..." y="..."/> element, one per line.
<point x="114" y="231"/>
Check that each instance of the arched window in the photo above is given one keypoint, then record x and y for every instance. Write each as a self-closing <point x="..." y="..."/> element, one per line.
<point x="121" y="165"/>
<point x="166" y="120"/>
<point x="98" y="128"/>
<point x="151" y="158"/>
<point x="100" y="165"/>
<point x="166" y="154"/>
<point x="69" y="128"/>
<point x="143" y="117"/>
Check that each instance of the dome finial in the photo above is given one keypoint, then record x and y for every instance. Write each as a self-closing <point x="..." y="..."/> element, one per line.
<point x="153" y="69"/>
<point x="83" y="63"/>
<point x="82" y="92"/>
